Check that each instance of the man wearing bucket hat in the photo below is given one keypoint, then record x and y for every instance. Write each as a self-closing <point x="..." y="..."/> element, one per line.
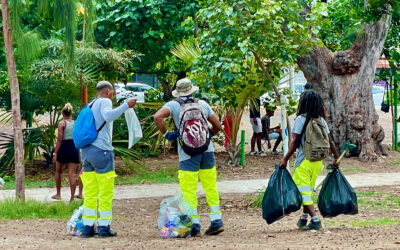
<point x="194" y="162"/>
<point x="98" y="164"/>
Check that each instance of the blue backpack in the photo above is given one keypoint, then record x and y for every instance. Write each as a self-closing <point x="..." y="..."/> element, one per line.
<point x="84" y="131"/>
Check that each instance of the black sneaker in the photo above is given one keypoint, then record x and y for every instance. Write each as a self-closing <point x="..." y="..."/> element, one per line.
<point x="313" y="225"/>
<point x="302" y="223"/>
<point x="105" y="231"/>
<point x="215" y="228"/>
<point x="87" y="231"/>
<point x="196" y="230"/>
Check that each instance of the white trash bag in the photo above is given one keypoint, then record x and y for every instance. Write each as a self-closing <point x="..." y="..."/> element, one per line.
<point x="75" y="224"/>
<point x="175" y="218"/>
<point x="134" y="127"/>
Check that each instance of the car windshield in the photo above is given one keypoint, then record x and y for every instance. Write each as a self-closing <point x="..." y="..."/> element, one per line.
<point x="138" y="88"/>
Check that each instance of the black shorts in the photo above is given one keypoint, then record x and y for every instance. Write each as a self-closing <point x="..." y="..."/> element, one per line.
<point x="68" y="152"/>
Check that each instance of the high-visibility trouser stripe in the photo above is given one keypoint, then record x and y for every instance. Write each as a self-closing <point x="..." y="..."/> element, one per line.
<point x="104" y="222"/>
<point x="88" y="222"/>
<point x="215" y="213"/>
<point x="195" y="216"/>
<point x="105" y="217"/>
<point x="307" y="200"/>
<point x="305" y="188"/>
<point x="214" y="209"/>
<point x="89" y="212"/>
<point x="105" y="213"/>
<point x="216" y="216"/>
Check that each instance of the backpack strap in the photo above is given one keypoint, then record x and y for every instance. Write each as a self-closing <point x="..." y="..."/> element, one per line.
<point x="181" y="102"/>
<point x="104" y="123"/>
<point x="303" y="131"/>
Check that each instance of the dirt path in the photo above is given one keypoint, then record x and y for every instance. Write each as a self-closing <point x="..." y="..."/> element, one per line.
<point x="136" y="223"/>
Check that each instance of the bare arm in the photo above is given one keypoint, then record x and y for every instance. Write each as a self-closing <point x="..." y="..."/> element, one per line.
<point x="267" y="137"/>
<point x="333" y="150"/>
<point x="292" y="149"/>
<point x="216" y="125"/>
<point x="159" y="119"/>
<point x="61" y="128"/>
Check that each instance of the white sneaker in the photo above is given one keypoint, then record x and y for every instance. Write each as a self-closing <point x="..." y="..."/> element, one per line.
<point x="253" y="153"/>
<point x="262" y="153"/>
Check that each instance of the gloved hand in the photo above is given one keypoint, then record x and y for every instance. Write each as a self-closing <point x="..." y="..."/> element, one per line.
<point x="171" y="135"/>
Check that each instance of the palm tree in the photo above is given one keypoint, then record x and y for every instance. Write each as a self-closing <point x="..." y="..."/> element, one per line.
<point x="14" y="87"/>
<point x="29" y="45"/>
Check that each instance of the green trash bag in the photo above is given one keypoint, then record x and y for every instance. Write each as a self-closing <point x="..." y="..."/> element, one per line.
<point x="281" y="196"/>
<point x="336" y="195"/>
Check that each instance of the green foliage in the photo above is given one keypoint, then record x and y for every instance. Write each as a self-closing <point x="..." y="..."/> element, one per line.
<point x="237" y="31"/>
<point x="342" y="25"/>
<point x="31" y="209"/>
<point x="40" y="140"/>
<point x="151" y="28"/>
<point x="346" y="18"/>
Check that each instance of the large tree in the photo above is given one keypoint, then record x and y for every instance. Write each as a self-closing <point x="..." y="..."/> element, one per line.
<point x="344" y="78"/>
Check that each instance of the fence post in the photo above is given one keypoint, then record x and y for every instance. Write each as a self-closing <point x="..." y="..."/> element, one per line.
<point x="242" y="151"/>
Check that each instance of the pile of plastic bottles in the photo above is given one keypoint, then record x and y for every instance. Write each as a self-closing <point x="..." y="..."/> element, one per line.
<point x="74" y="225"/>
<point x="174" y="220"/>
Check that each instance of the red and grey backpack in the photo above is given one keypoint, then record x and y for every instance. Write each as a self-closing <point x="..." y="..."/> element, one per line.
<point x="194" y="134"/>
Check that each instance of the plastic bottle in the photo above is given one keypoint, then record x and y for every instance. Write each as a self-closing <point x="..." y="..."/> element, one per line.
<point x="75" y="222"/>
<point x="2" y="182"/>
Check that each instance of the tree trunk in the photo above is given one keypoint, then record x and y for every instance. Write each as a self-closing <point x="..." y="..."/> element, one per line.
<point x="344" y="80"/>
<point x="12" y="72"/>
<point x="167" y="89"/>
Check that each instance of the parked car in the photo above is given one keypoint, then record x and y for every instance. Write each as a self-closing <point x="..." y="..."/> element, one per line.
<point x="298" y="89"/>
<point x="119" y="90"/>
<point x="132" y="90"/>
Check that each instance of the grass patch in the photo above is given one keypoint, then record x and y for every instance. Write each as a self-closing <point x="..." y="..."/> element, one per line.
<point x="365" y="193"/>
<point x="143" y="174"/>
<point x="365" y="223"/>
<point x="354" y="170"/>
<point x="378" y="200"/>
<point x="11" y="209"/>
<point x="393" y="163"/>
<point x="256" y="201"/>
<point x="10" y="184"/>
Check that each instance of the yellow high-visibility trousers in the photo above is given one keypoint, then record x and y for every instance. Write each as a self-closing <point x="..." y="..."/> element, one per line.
<point x="98" y="196"/>
<point x="305" y="176"/>
<point x="188" y="181"/>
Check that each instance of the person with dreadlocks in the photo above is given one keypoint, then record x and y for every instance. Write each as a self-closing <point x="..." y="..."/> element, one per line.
<point x="305" y="171"/>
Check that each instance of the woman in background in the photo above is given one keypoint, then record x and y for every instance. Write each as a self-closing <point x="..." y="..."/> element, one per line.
<point x="65" y="154"/>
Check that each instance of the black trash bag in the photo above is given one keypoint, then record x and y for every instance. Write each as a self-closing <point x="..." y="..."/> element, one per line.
<point x="281" y="196"/>
<point x="336" y="195"/>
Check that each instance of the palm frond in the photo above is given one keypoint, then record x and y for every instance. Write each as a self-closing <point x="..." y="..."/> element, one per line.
<point x="127" y="154"/>
<point x="187" y="52"/>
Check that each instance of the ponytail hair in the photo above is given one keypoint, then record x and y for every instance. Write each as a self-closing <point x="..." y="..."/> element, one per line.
<point x="67" y="109"/>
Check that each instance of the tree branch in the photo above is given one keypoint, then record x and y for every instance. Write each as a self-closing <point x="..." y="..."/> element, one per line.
<point x="266" y="73"/>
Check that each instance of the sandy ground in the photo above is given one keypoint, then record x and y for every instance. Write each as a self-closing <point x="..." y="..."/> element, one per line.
<point x="136" y="224"/>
